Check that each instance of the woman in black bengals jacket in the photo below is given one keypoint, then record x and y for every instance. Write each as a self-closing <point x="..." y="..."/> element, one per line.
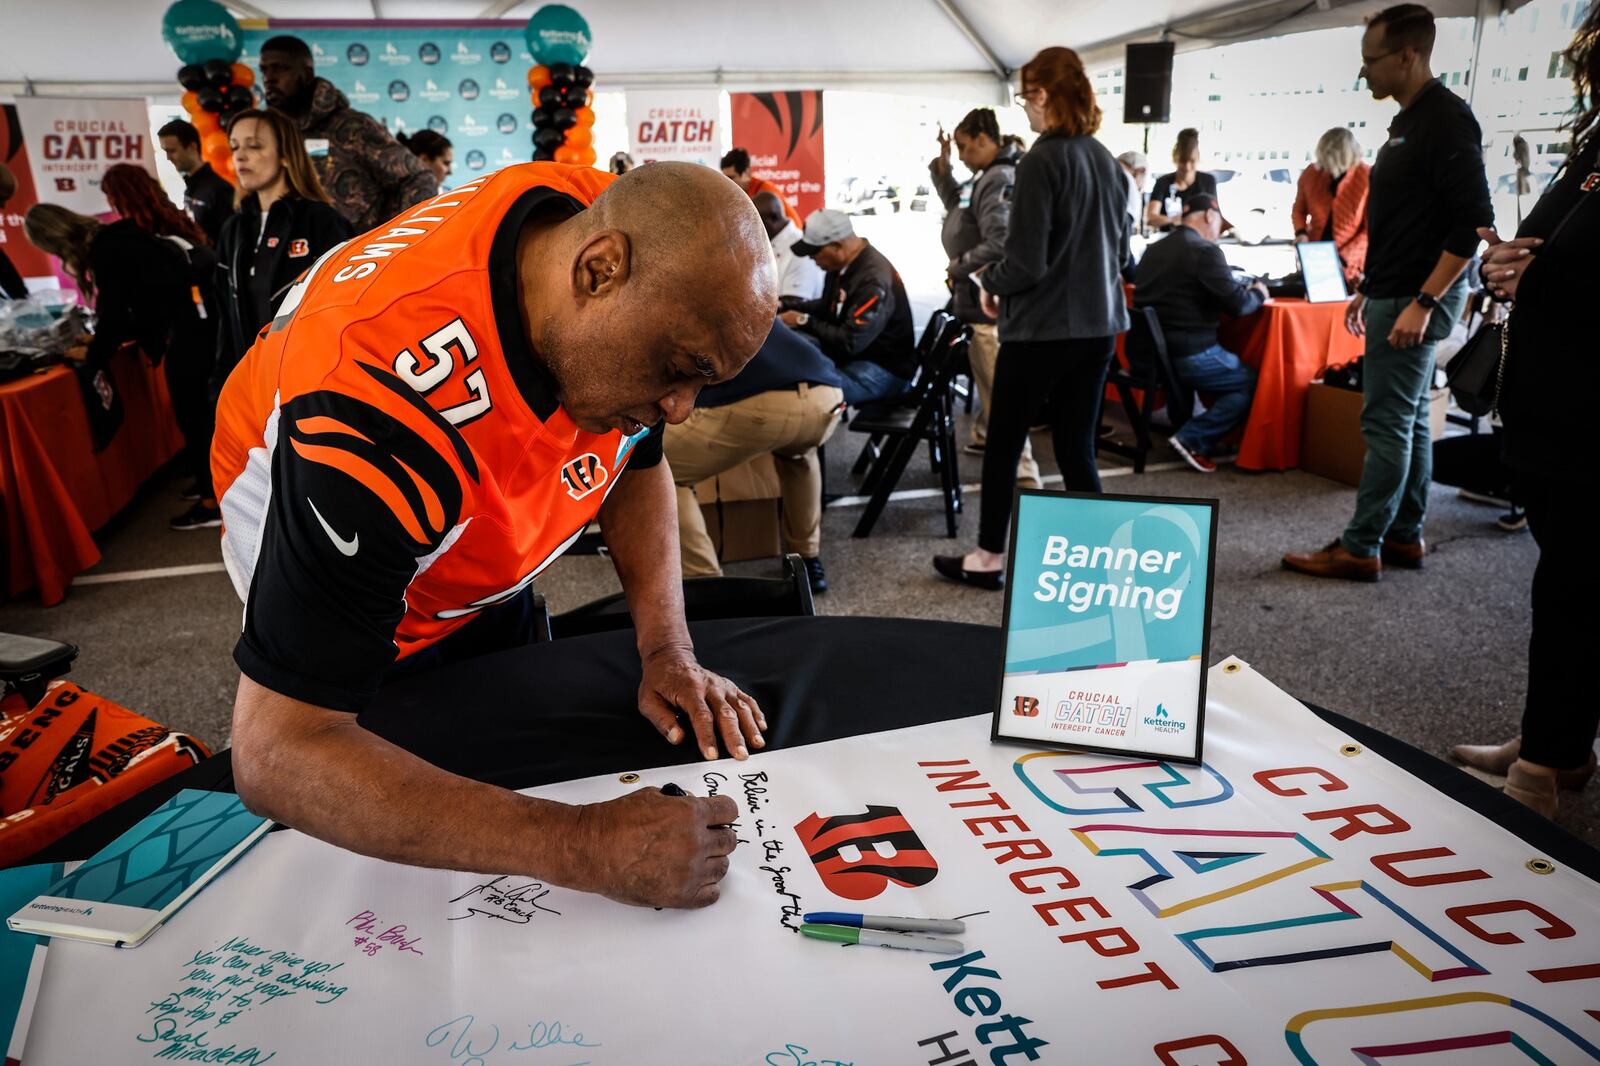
<point x="283" y="225"/>
<point x="1060" y="301"/>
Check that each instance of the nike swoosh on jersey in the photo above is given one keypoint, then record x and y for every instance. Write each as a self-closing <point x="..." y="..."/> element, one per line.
<point x="346" y="547"/>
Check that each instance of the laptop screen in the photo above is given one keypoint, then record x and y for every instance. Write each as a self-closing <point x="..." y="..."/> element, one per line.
<point x="1324" y="274"/>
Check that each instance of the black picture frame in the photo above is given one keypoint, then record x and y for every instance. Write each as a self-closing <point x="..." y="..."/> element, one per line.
<point x="995" y="734"/>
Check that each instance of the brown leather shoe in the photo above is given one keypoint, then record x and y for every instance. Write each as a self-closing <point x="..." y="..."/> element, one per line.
<point x="1408" y="555"/>
<point x="1531" y="789"/>
<point x="1497" y="759"/>
<point x="1334" y="561"/>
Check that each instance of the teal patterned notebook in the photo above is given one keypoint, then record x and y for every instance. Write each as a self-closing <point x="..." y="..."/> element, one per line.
<point x="124" y="893"/>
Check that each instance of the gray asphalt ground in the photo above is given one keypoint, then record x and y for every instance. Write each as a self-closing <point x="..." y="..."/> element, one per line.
<point x="1433" y="657"/>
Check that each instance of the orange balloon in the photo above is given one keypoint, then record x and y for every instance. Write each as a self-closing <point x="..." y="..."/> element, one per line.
<point x="226" y="170"/>
<point x="207" y="122"/>
<point x="243" y="75"/>
<point x="570" y="155"/>
<point x="588" y="157"/>
<point x="217" y="155"/>
<point x="191" y="104"/>
<point x="585" y="117"/>
<point x="580" y="136"/>
<point x="538" y="77"/>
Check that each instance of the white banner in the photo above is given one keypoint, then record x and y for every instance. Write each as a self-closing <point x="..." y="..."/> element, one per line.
<point x="679" y="124"/>
<point x="72" y="142"/>
<point x="1295" y="899"/>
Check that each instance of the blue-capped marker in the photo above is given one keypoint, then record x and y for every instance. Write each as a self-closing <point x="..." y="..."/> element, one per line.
<point x="883" y="921"/>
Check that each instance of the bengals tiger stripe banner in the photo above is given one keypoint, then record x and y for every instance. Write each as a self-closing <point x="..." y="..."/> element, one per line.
<point x="783" y="132"/>
<point x="1294" y="899"/>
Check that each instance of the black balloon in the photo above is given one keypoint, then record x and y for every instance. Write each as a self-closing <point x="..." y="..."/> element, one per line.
<point x="544" y="155"/>
<point x="541" y="116"/>
<point x="564" y="119"/>
<point x="582" y="77"/>
<point x="548" y="138"/>
<point x="219" y="73"/>
<point x="561" y="73"/>
<point x="211" y="99"/>
<point x="239" y="97"/>
<point x="192" y="77"/>
<point x="551" y="97"/>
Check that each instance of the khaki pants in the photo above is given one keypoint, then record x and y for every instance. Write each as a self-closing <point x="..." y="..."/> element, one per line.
<point x="982" y="353"/>
<point x="790" y="424"/>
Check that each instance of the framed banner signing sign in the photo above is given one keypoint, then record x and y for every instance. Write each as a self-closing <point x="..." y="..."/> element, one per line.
<point x="1108" y="624"/>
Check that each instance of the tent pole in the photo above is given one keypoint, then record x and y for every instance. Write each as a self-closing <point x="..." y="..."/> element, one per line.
<point x="1486" y="9"/>
<point x="959" y="20"/>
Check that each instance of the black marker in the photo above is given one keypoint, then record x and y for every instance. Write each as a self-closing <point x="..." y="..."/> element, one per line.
<point x="670" y="789"/>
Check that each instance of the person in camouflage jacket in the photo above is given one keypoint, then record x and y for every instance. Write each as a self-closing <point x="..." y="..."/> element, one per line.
<point x="369" y="175"/>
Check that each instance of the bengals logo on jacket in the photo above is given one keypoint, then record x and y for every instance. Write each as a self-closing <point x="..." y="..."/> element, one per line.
<point x="857" y="855"/>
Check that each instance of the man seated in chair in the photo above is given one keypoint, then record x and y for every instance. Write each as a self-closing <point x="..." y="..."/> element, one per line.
<point x="1186" y="279"/>
<point x="436" y="413"/>
<point x="863" y="320"/>
<point x="785" y="403"/>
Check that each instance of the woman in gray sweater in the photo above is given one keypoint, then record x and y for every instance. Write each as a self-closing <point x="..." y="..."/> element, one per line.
<point x="1058" y="295"/>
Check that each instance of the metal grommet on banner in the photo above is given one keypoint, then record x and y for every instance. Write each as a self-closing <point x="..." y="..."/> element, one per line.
<point x="1541" y="866"/>
<point x="1348" y="750"/>
<point x="629" y="779"/>
<point x="1231" y="668"/>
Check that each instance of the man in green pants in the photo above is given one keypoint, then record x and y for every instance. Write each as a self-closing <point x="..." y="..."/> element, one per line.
<point x="1427" y="200"/>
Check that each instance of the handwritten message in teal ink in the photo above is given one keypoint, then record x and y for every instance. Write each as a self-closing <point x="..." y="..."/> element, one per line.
<point x="796" y="1055"/>
<point x="470" y="1042"/>
<point x="220" y="984"/>
<point x="371" y="936"/>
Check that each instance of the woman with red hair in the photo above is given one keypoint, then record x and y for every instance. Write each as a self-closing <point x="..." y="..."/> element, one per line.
<point x="134" y="193"/>
<point x="1058" y="295"/>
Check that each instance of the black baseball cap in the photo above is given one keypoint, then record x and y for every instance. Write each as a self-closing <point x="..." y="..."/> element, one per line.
<point x="1196" y="202"/>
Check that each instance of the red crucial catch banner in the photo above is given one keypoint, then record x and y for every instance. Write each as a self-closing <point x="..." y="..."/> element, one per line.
<point x="783" y="134"/>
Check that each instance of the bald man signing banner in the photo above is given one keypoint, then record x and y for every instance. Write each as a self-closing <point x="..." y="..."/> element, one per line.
<point x="439" y="409"/>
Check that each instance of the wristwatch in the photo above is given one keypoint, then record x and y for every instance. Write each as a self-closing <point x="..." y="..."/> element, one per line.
<point x="1427" y="301"/>
<point x="801" y="318"/>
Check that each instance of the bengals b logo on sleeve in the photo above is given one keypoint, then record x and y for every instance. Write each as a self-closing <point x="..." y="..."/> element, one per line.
<point x="583" y="475"/>
<point x="857" y="855"/>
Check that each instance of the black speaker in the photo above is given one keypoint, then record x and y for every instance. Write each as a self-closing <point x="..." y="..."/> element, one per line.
<point x="1147" y="83"/>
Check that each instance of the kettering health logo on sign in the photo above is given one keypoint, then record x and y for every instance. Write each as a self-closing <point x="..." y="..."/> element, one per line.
<point x="1107" y="624"/>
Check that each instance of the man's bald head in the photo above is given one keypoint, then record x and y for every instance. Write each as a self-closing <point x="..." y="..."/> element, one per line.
<point x="769" y="205"/>
<point x="663" y="286"/>
<point x="8" y="185"/>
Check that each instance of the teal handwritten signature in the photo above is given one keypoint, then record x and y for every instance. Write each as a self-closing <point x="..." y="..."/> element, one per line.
<point x="795" y="1055"/>
<point x="470" y="1042"/>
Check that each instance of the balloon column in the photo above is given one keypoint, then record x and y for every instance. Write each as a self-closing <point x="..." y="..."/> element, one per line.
<point x="560" y="86"/>
<point x="207" y="41"/>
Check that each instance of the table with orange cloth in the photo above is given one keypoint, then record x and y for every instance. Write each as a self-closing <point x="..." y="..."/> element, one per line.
<point x="56" y="490"/>
<point x="1289" y="342"/>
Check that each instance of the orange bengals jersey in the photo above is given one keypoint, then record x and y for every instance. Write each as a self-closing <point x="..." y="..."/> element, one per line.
<point x="390" y="457"/>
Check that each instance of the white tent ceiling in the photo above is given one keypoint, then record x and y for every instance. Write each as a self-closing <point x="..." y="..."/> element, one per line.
<point x="100" y="45"/>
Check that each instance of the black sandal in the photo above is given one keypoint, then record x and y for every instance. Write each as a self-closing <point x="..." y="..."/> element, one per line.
<point x="949" y="566"/>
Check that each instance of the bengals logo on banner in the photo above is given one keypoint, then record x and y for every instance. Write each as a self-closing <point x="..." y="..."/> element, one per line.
<point x="583" y="475"/>
<point x="857" y="855"/>
<point x="1025" y="707"/>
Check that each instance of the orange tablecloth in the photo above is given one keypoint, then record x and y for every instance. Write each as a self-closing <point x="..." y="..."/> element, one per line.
<point x="56" y="490"/>
<point x="1289" y="342"/>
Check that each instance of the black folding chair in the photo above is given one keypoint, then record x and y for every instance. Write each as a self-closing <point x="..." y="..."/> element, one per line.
<point x="704" y="599"/>
<point x="927" y="415"/>
<point x="29" y="664"/>
<point x="1150" y="372"/>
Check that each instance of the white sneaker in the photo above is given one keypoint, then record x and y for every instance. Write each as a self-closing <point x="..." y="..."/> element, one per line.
<point x="1199" y="462"/>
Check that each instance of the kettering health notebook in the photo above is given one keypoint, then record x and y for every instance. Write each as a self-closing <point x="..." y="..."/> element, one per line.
<point x="124" y="893"/>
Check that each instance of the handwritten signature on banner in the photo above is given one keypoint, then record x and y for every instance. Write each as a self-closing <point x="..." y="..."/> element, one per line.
<point x="755" y="788"/>
<point x="505" y="900"/>
<point x="218" y="985"/>
<point x="471" y="1043"/>
<point x="371" y="940"/>
<point x="795" y="1055"/>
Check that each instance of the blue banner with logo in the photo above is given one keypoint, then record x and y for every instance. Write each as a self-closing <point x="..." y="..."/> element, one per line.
<point x="1107" y="623"/>
<point x="468" y="81"/>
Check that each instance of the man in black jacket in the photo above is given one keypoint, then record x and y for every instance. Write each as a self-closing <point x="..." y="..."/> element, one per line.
<point x="207" y="194"/>
<point x="1186" y="279"/>
<point x="1428" y="197"/>
<point x="863" y="320"/>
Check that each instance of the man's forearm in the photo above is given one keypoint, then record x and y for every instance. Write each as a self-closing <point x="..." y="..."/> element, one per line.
<point x="640" y="525"/>
<point x="1444" y="274"/>
<point x="319" y="772"/>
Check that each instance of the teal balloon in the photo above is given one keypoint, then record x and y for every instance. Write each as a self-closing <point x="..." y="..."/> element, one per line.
<point x="198" y="30"/>
<point x="557" y="34"/>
